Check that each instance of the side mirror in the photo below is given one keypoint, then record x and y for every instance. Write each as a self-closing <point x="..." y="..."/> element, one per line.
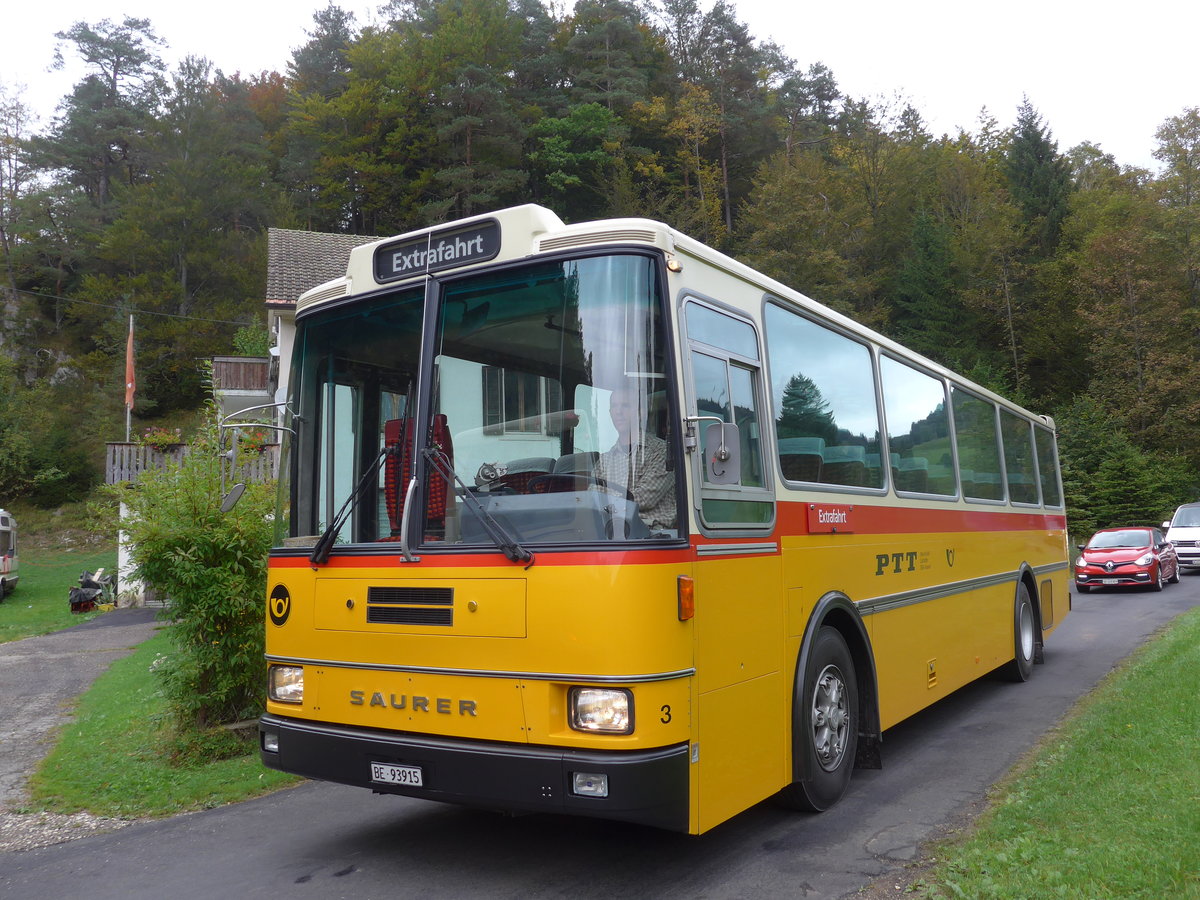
<point x="1081" y="546"/>
<point x="232" y="498"/>
<point x="1166" y="524"/>
<point x="722" y="454"/>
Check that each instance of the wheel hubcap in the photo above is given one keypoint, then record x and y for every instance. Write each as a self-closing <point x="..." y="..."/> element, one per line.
<point x="830" y="718"/>
<point x="1026" y="632"/>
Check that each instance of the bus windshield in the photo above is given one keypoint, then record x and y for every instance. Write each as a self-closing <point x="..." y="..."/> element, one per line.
<point x="547" y="411"/>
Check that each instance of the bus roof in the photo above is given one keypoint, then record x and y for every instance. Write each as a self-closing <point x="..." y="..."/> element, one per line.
<point x="525" y="231"/>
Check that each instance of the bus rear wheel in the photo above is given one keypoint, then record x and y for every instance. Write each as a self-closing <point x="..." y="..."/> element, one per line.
<point x="826" y="724"/>
<point x="1025" y="637"/>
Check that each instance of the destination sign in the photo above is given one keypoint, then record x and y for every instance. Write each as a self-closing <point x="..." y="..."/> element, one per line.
<point x="438" y="250"/>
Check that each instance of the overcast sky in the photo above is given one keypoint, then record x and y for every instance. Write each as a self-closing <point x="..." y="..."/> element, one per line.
<point x="1096" y="71"/>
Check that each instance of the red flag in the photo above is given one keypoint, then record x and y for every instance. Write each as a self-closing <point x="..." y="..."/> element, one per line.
<point x="129" y="379"/>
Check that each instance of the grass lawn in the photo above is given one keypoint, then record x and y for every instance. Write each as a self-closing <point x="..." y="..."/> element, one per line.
<point x="113" y="759"/>
<point x="1109" y="805"/>
<point x="38" y="604"/>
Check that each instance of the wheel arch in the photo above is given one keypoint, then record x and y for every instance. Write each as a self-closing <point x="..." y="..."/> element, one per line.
<point x="836" y="610"/>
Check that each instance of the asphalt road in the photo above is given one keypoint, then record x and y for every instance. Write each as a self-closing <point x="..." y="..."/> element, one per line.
<point x="323" y="841"/>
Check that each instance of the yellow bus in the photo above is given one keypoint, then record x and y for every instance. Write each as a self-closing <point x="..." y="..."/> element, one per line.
<point x="594" y="520"/>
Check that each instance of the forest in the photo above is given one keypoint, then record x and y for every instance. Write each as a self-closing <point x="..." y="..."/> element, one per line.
<point x="1061" y="278"/>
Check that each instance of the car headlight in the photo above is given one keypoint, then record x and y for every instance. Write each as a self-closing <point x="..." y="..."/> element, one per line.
<point x="601" y="710"/>
<point x="285" y="684"/>
<point x="1144" y="560"/>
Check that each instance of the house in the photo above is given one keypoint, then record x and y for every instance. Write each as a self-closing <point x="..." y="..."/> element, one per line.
<point x="298" y="261"/>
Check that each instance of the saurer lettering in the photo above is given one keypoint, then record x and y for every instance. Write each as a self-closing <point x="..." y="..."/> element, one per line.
<point x="415" y="703"/>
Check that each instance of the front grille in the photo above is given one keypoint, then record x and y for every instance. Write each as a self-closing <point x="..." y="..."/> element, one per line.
<point x="410" y="606"/>
<point x="412" y="596"/>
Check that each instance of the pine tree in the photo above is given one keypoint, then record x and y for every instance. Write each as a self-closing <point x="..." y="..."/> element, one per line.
<point x="927" y="314"/>
<point x="1039" y="179"/>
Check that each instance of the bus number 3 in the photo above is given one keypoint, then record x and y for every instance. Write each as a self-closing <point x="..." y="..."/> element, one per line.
<point x="666" y="715"/>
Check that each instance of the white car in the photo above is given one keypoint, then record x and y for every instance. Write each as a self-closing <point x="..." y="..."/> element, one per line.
<point x="1184" y="532"/>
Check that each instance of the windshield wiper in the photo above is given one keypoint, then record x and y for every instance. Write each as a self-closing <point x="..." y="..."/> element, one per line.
<point x="325" y="543"/>
<point x="507" y="543"/>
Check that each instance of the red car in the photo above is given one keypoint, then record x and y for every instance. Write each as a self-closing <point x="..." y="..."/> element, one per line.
<point x="1126" y="557"/>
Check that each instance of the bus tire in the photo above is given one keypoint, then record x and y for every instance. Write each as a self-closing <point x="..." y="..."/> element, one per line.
<point x="826" y="723"/>
<point x="1025" y="637"/>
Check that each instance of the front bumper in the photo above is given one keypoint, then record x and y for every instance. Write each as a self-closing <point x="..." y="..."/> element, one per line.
<point x="1189" y="557"/>
<point x="649" y="787"/>
<point x="1113" y="579"/>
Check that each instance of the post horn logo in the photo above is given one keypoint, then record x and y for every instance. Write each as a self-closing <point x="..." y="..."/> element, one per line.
<point x="950" y="558"/>
<point x="279" y="605"/>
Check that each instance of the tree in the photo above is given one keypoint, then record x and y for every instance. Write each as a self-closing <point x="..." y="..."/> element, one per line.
<point x="806" y="105"/>
<point x="189" y="243"/>
<point x="609" y="54"/>
<point x="321" y="66"/>
<point x="458" y="59"/>
<point x="1179" y="150"/>
<point x="573" y="157"/>
<point x="1038" y="178"/>
<point x="807" y="226"/>
<point x="97" y="138"/>
<point x="15" y="176"/>
<point x="928" y="315"/>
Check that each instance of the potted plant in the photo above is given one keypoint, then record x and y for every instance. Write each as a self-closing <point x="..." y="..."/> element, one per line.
<point x="161" y="439"/>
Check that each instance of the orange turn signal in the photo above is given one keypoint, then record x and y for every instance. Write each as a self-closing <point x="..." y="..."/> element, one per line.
<point x="687" y="598"/>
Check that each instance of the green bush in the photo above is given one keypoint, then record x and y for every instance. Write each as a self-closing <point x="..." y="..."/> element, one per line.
<point x="212" y="566"/>
<point x="252" y="340"/>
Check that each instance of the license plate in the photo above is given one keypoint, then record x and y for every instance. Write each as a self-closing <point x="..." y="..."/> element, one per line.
<point x="1111" y="581"/>
<point x="386" y="773"/>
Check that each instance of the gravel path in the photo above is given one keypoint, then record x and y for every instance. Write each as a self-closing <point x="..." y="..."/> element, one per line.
<point x="40" y="678"/>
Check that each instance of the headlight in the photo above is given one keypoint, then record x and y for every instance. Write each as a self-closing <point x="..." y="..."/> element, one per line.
<point x="1144" y="560"/>
<point x="601" y="710"/>
<point x="285" y="684"/>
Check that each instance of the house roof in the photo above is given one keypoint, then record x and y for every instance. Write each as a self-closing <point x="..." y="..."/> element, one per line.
<point x="300" y="260"/>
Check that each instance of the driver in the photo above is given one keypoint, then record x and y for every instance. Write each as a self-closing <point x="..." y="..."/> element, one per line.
<point x="637" y="462"/>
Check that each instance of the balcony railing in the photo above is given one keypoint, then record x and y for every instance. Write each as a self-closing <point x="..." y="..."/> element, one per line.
<point x="241" y="373"/>
<point x="126" y="462"/>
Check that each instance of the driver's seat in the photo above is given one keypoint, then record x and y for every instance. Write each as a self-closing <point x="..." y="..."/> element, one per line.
<point x="397" y="472"/>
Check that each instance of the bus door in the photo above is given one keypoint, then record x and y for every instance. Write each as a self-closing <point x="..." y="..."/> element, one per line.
<point x="743" y="685"/>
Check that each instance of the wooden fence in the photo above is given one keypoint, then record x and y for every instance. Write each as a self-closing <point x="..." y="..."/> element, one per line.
<point x="125" y="462"/>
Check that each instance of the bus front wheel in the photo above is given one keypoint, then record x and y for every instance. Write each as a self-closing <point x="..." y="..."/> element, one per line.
<point x="826" y="724"/>
<point x="1025" y="637"/>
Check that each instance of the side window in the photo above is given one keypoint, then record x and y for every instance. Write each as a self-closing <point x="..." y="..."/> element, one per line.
<point x="826" y="415"/>
<point x="978" y="441"/>
<point x="918" y="430"/>
<point x="725" y="365"/>
<point x="1047" y="460"/>
<point x="1017" y="434"/>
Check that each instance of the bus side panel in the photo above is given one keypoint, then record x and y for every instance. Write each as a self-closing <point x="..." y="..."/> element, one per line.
<point x="925" y="646"/>
<point x="927" y="651"/>
<point x="743" y="753"/>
